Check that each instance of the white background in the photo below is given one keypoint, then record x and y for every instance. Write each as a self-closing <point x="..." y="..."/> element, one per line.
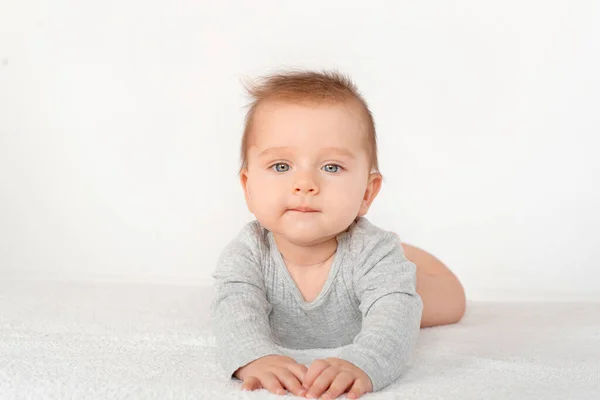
<point x="120" y="124"/>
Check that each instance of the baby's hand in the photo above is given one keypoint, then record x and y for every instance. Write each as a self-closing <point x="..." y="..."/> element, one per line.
<point x="274" y="373"/>
<point x="339" y="376"/>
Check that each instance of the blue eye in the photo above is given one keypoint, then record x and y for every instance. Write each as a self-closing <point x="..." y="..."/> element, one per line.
<point x="278" y="165"/>
<point x="283" y="167"/>
<point x="336" y="167"/>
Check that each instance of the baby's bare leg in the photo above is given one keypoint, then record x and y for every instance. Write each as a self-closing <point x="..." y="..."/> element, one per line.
<point x="442" y="293"/>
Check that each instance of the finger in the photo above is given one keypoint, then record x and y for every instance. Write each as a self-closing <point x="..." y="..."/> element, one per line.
<point x="270" y="382"/>
<point x="358" y="389"/>
<point x="323" y="381"/>
<point x="289" y="381"/>
<point x="313" y="371"/>
<point x="342" y="382"/>
<point x="251" y="383"/>
<point x="299" y="370"/>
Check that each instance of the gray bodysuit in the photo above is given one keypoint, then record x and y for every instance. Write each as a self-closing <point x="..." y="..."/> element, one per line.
<point x="368" y="307"/>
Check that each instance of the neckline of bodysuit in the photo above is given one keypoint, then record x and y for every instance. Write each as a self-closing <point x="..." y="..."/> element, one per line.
<point x="337" y="259"/>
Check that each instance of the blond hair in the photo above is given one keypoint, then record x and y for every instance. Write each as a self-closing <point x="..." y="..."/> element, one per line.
<point x="307" y="86"/>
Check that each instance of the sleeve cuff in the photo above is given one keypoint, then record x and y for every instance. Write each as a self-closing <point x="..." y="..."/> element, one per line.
<point x="237" y="359"/>
<point x="353" y="355"/>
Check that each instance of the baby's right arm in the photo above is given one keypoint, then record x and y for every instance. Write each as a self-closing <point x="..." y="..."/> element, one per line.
<point x="240" y="322"/>
<point x="240" y="310"/>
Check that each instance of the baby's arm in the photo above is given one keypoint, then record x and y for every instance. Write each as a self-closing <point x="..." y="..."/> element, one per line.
<point x="240" y="309"/>
<point x="385" y="285"/>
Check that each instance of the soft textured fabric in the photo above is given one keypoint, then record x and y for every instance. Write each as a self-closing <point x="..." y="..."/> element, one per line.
<point x="368" y="307"/>
<point x="99" y="341"/>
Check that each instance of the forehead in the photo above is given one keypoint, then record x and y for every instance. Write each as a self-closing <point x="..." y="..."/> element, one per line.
<point x="308" y="126"/>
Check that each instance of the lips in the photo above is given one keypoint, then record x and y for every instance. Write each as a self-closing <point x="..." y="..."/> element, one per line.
<point x="304" y="209"/>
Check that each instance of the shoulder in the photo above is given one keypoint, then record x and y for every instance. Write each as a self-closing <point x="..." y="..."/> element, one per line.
<point x="250" y="238"/>
<point x="368" y="245"/>
<point x="244" y="253"/>
<point x="364" y="236"/>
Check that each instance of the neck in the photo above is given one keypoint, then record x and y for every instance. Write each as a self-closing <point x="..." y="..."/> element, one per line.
<point x="313" y="255"/>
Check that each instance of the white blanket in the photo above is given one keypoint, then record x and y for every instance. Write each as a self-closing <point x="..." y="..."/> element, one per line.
<point x="123" y="341"/>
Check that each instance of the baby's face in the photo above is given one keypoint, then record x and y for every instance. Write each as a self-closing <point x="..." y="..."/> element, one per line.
<point x="307" y="156"/>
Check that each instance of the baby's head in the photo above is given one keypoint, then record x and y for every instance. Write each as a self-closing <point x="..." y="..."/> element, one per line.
<point x="309" y="143"/>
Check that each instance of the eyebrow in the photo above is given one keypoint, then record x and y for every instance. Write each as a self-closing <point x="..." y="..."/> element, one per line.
<point x="338" y="150"/>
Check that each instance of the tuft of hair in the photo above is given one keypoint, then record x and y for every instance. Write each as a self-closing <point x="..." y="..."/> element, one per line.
<point x="306" y="86"/>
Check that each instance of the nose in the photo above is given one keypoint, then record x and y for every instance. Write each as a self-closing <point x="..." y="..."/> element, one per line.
<point x="305" y="184"/>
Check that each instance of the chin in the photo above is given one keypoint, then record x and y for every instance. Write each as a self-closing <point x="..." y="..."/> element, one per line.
<point x="308" y="237"/>
<point x="302" y="237"/>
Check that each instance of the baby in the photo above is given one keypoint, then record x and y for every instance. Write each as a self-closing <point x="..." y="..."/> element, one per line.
<point x="311" y="272"/>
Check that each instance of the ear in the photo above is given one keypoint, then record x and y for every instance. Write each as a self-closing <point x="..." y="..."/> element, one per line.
<point x="373" y="186"/>
<point x="244" y="183"/>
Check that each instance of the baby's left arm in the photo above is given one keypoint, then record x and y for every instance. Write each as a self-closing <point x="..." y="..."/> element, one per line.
<point x="385" y="285"/>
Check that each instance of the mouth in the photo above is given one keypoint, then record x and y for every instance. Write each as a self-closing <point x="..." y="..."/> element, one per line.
<point x="304" y="209"/>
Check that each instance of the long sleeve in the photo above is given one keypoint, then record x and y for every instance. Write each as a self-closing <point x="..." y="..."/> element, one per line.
<point x="385" y="285"/>
<point x="240" y="310"/>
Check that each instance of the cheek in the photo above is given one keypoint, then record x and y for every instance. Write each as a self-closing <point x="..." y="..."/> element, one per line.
<point x="349" y="189"/>
<point x="264" y="192"/>
<point x="345" y="196"/>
